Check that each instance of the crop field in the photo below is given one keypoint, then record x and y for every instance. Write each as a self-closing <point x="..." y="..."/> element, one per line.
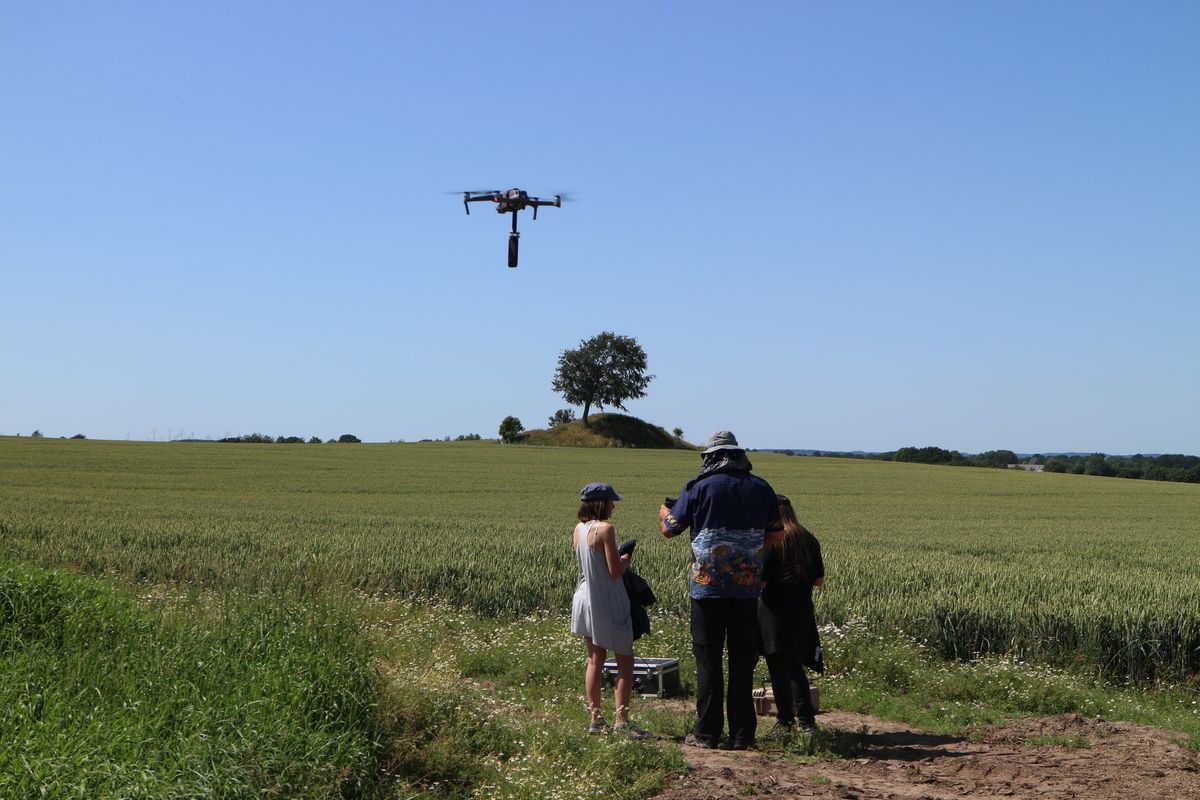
<point x="1097" y="573"/>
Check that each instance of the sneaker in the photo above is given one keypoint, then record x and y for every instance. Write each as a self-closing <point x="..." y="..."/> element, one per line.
<point x="627" y="728"/>
<point x="807" y="725"/>
<point x="742" y="744"/>
<point x="692" y="740"/>
<point x="597" y="725"/>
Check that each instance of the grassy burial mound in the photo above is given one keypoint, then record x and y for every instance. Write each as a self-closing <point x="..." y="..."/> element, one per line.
<point x="608" y="430"/>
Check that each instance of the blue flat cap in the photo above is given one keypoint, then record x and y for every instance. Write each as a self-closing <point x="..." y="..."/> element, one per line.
<point x="599" y="491"/>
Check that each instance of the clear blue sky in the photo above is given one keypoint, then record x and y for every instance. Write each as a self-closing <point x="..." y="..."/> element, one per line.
<point x="836" y="225"/>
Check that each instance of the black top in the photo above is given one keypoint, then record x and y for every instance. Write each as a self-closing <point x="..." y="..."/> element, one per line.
<point x="786" y="620"/>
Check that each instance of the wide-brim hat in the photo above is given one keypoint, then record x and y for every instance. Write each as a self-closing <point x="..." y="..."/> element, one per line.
<point x="599" y="491"/>
<point x="722" y="440"/>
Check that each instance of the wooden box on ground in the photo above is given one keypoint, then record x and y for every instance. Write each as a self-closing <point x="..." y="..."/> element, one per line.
<point x="764" y="700"/>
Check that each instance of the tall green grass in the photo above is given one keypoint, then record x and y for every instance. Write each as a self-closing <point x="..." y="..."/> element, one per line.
<point x="101" y="698"/>
<point x="1061" y="569"/>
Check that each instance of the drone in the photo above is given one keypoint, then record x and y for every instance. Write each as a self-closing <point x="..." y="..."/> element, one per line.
<point x="510" y="202"/>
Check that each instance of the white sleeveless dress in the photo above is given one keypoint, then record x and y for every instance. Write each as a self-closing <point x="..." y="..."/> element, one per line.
<point x="600" y="608"/>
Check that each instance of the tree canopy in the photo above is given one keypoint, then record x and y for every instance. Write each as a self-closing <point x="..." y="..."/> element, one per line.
<point x="510" y="429"/>
<point x="606" y="370"/>
<point x="562" y="417"/>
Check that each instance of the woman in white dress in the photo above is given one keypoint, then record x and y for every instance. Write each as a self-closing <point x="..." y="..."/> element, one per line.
<point x="600" y="608"/>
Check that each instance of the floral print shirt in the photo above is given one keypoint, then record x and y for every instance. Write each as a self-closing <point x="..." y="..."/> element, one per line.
<point x="729" y="513"/>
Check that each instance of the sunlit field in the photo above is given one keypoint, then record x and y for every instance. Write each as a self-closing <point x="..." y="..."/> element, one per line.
<point x="1096" y="573"/>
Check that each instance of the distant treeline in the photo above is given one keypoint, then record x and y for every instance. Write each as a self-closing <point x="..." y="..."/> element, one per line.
<point x="936" y="455"/>
<point x="345" y="438"/>
<point x="262" y="438"/>
<point x="1170" y="467"/>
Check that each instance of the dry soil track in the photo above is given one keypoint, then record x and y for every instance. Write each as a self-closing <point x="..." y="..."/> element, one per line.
<point x="1120" y="760"/>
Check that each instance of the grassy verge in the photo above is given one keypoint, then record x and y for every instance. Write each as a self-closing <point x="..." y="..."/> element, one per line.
<point x="183" y="696"/>
<point x="482" y="708"/>
<point x="102" y="698"/>
<point x="492" y="708"/>
<point x="899" y="678"/>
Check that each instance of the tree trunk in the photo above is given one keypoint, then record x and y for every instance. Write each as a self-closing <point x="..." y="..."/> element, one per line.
<point x="586" y="406"/>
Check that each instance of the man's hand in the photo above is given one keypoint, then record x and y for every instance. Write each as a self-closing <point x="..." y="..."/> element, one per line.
<point x="663" y="513"/>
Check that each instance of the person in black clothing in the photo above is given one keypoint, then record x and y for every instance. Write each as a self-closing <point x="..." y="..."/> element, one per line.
<point x="786" y="620"/>
<point x="731" y="513"/>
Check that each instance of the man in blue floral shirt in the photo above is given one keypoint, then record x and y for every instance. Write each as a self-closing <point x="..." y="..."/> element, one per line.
<point x="732" y="514"/>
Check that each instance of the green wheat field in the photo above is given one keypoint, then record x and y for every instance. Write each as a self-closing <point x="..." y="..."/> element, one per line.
<point x="1054" y="568"/>
<point x="258" y="542"/>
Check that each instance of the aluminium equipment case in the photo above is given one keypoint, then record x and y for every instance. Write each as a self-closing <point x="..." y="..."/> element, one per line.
<point x="652" y="677"/>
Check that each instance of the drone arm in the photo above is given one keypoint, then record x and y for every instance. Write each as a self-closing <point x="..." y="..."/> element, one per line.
<point x="535" y="202"/>
<point x="467" y="198"/>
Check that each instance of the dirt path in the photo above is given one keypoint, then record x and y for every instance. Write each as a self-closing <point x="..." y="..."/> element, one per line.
<point x="1112" y="761"/>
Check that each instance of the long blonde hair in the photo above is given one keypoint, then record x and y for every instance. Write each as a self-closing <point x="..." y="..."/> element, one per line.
<point x="793" y="550"/>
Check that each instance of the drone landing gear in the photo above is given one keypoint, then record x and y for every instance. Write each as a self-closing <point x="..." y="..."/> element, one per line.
<point x="513" y="238"/>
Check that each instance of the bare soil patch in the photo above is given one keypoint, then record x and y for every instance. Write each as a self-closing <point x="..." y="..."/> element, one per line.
<point x="1048" y="758"/>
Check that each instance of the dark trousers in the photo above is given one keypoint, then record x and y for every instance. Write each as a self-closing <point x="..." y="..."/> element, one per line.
<point x="716" y="622"/>
<point x="790" y="687"/>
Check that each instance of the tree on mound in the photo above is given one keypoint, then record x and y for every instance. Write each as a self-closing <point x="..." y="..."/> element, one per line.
<point x="562" y="417"/>
<point x="606" y="370"/>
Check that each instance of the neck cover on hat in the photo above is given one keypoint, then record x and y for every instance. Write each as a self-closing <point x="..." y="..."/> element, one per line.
<point x="725" y="461"/>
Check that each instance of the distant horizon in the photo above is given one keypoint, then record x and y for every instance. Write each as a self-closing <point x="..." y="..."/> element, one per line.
<point x="807" y="451"/>
<point x="1018" y="453"/>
